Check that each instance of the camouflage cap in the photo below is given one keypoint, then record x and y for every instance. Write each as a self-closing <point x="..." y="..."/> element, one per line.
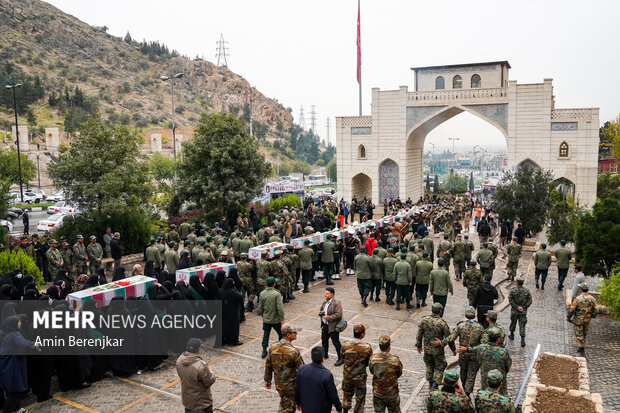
<point x="494" y="377"/>
<point x="79" y="236"/>
<point x="492" y="315"/>
<point x="359" y="328"/>
<point x="493" y="331"/>
<point x="383" y="340"/>
<point x="470" y="312"/>
<point x="93" y="237"/>
<point x="53" y="241"/>
<point x="519" y="280"/>
<point x="64" y="244"/>
<point x="584" y="287"/>
<point x="289" y="329"/>
<point x="451" y="376"/>
<point x="244" y="255"/>
<point x="437" y="307"/>
<point x="277" y="253"/>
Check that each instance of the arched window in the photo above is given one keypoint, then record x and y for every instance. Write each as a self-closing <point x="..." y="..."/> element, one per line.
<point x="457" y="82"/>
<point x="440" y="83"/>
<point x="475" y="81"/>
<point x="361" y="152"/>
<point x="564" y="150"/>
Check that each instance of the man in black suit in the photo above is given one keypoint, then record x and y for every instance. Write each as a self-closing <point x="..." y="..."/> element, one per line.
<point x="315" y="390"/>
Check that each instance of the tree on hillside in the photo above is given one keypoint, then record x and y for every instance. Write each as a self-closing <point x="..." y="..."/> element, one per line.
<point x="101" y="170"/>
<point x="161" y="167"/>
<point x="31" y="91"/>
<point x="9" y="166"/>
<point x="455" y="184"/>
<point x="221" y="168"/>
<point x="597" y="238"/>
<point x="524" y="195"/>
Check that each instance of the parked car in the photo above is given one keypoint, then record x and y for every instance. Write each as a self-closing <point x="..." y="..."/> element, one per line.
<point x="29" y="197"/>
<point x="57" y="196"/>
<point x="40" y="194"/>
<point x="8" y="227"/>
<point x="61" y="207"/>
<point x="13" y="213"/>
<point x="53" y="222"/>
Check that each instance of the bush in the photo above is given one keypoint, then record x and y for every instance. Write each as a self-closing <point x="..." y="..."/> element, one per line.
<point x="290" y="200"/>
<point x="190" y="215"/>
<point x="610" y="293"/>
<point x="134" y="226"/>
<point x="11" y="260"/>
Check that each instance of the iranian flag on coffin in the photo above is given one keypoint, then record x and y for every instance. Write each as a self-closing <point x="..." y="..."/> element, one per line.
<point x="338" y="234"/>
<point x="201" y="271"/>
<point x="255" y="253"/>
<point x="314" y="239"/>
<point x="103" y="294"/>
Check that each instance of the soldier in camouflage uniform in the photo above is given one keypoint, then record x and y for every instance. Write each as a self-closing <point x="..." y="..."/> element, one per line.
<point x="457" y="251"/>
<point x="288" y="262"/>
<point x="245" y="269"/>
<point x="583" y="309"/>
<point x="491" y="317"/>
<point x="67" y="257"/>
<point x="485" y="259"/>
<point x="451" y="398"/>
<point x="490" y="400"/>
<point x="160" y="233"/>
<point x="95" y="254"/>
<point x="80" y="256"/>
<point x="469" y="333"/>
<point x="514" y="253"/>
<point x="469" y="247"/>
<point x="520" y="300"/>
<point x="443" y="251"/>
<point x="173" y="235"/>
<point x="493" y="248"/>
<point x="386" y="368"/>
<point x="263" y="270"/>
<point x="472" y="279"/>
<point x="27" y="247"/>
<point x="54" y="259"/>
<point x="294" y="268"/>
<point x="431" y="328"/>
<point x="282" y="363"/>
<point x="356" y="354"/>
<point x="280" y="271"/>
<point x="491" y="356"/>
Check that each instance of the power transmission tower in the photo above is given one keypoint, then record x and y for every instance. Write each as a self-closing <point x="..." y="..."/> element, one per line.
<point x="221" y="51"/>
<point x="313" y="119"/>
<point x="327" y="142"/>
<point x="302" y="119"/>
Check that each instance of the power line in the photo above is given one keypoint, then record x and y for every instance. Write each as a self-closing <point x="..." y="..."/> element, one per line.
<point x="221" y="51"/>
<point x="302" y="119"/>
<point x="313" y="119"/>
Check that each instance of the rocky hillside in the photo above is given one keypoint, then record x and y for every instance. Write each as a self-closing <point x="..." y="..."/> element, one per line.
<point x="119" y="75"/>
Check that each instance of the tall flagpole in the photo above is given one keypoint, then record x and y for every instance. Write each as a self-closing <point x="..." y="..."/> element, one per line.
<point x="359" y="57"/>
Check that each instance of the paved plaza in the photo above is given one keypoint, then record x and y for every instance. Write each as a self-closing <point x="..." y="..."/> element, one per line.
<point x="239" y="370"/>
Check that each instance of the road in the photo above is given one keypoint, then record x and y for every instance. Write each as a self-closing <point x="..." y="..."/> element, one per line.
<point x="35" y="216"/>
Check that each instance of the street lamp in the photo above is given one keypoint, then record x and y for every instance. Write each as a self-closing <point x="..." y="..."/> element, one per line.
<point x="174" y="137"/>
<point x="19" y="158"/>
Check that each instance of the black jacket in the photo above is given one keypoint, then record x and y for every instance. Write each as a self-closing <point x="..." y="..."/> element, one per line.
<point x="315" y="389"/>
<point x="485" y="294"/>
<point x="115" y="249"/>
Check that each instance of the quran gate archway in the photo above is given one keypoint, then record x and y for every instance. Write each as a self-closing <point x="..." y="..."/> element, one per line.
<point x="564" y="141"/>
<point x="361" y="185"/>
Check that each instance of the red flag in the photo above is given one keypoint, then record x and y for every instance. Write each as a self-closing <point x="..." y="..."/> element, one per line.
<point x="359" y="46"/>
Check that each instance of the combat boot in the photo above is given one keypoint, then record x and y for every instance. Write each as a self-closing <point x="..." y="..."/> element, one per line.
<point x="424" y="302"/>
<point x="417" y="302"/>
<point x="264" y="353"/>
<point x="377" y="299"/>
<point x="291" y="296"/>
<point x="398" y="305"/>
<point x="582" y="351"/>
<point x="512" y="335"/>
<point x="409" y="306"/>
<point x="364" y="303"/>
<point x="522" y="341"/>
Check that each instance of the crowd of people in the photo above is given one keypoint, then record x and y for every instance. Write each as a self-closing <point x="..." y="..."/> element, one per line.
<point x="399" y="263"/>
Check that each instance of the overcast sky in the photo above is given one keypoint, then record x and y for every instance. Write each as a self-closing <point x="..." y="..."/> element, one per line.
<point x="304" y="53"/>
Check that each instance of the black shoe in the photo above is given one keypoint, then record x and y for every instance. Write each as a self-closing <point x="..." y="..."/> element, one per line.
<point x="511" y="336"/>
<point x="398" y="305"/>
<point x="377" y="299"/>
<point x="560" y="287"/>
<point x="389" y="301"/>
<point x="364" y="303"/>
<point x="339" y="362"/>
<point x="329" y="283"/>
<point x="264" y="353"/>
<point x="285" y="300"/>
<point x="296" y="288"/>
<point x="326" y="356"/>
<point x="291" y="296"/>
<point x="238" y="343"/>
<point x="537" y="287"/>
<point x="582" y="351"/>
<point x="432" y="386"/>
<point x="542" y="287"/>
<point x="423" y="303"/>
<point x="409" y="306"/>
<point x="306" y="290"/>
<point x="522" y="341"/>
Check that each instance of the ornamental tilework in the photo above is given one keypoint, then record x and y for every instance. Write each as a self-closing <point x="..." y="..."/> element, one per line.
<point x="496" y="113"/>
<point x="564" y="126"/>
<point x="388" y="180"/>
<point x="416" y="114"/>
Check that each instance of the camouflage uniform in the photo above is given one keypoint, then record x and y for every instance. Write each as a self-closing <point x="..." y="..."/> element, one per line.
<point x="469" y="333"/>
<point x="262" y="272"/>
<point x="67" y="258"/>
<point x="458" y="256"/>
<point x="245" y="270"/>
<point x="94" y="252"/>
<point x="433" y="327"/>
<point x="583" y="308"/>
<point x="491" y="356"/>
<point x="443" y="251"/>
<point x="356" y="356"/>
<point x="519" y="297"/>
<point x="502" y="330"/>
<point x="495" y="251"/>
<point x="54" y="259"/>
<point x="514" y="253"/>
<point x="283" y="361"/>
<point x="79" y="253"/>
<point x="469" y="249"/>
<point x="280" y="271"/>
<point x="446" y="401"/>
<point x="472" y="279"/>
<point x="490" y="400"/>
<point x="386" y="368"/>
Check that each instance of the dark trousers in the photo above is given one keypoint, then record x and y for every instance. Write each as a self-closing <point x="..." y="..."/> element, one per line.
<point x="441" y="299"/>
<point x="421" y="290"/>
<point x="482" y="314"/>
<point x="337" y="263"/>
<point x="205" y="410"/>
<point x="26" y="229"/>
<point x="390" y="289"/>
<point x="267" y="330"/>
<point x="328" y="269"/>
<point x="297" y="275"/>
<point x="326" y="336"/>
<point x="562" y="273"/>
<point x="13" y="401"/>
<point x="364" y="287"/>
<point x="540" y="274"/>
<point x="402" y="293"/>
<point x="376" y="287"/>
<point x="350" y="256"/>
<point x="306" y="275"/>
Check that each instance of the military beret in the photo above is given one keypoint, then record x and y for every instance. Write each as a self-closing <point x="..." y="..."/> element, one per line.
<point x="426" y="231"/>
<point x="156" y="238"/>
<point x="225" y="240"/>
<point x="440" y="261"/>
<point x="384" y="339"/>
<point x="403" y="256"/>
<point x="543" y="245"/>
<point x="307" y="242"/>
<point x="359" y="328"/>
<point x="470" y="312"/>
<point x="209" y="238"/>
<point x="514" y="239"/>
<point x="363" y="249"/>
<point x="173" y="226"/>
<point x="451" y="376"/>
<point x="188" y="242"/>
<point x="466" y="235"/>
<point x="272" y="280"/>
<point x="492" y="315"/>
<point x="584" y="287"/>
<point x="425" y="254"/>
<point x="519" y="280"/>
<point x="289" y="329"/>
<point x="563" y="242"/>
<point x="244" y="255"/>
<point x="201" y="242"/>
<point x="437" y="307"/>
<point x="472" y="263"/>
<point x="410" y="229"/>
<point x="484" y="244"/>
<point x="93" y="237"/>
<point x="494" y="377"/>
<point x="161" y="226"/>
<point x="172" y="244"/>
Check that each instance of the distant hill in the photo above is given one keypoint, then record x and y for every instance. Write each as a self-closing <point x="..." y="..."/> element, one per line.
<point x="52" y="53"/>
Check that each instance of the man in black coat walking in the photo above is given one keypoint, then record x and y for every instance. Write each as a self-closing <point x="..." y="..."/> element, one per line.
<point x="315" y="390"/>
<point x="484" y="298"/>
<point x="115" y="249"/>
<point x="26" y="222"/>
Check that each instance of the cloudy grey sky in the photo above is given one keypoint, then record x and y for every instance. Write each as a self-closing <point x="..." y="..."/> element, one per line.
<point x="304" y="53"/>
